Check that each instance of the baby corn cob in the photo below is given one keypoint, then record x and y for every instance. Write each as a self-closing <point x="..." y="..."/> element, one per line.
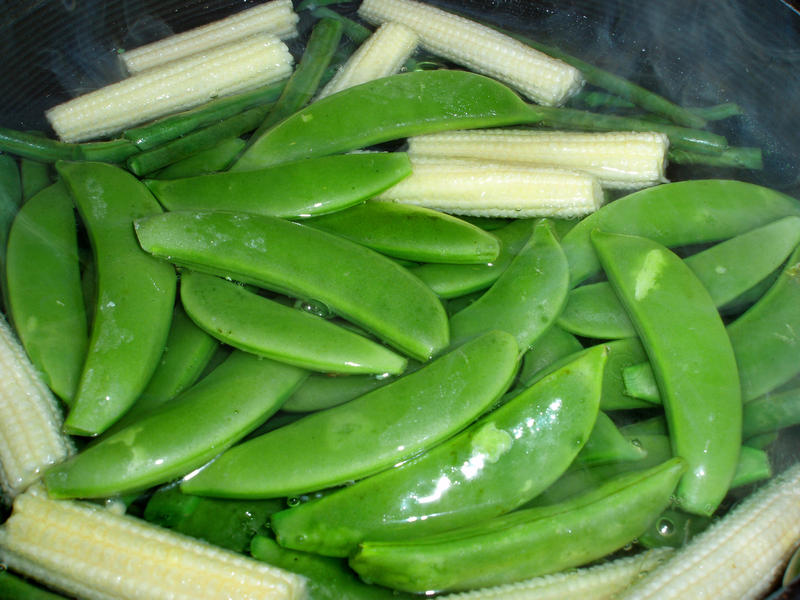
<point x="620" y="160"/>
<point x="488" y="189"/>
<point x="381" y="55"/>
<point x="96" y="554"/>
<point x="236" y="67"/>
<point x="30" y="419"/>
<point x="739" y="557"/>
<point x="276" y="18"/>
<point x="541" y="78"/>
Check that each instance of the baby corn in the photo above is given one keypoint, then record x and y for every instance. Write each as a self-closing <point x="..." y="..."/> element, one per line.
<point x="620" y="160"/>
<point x="488" y="189"/>
<point x="541" y="78"/>
<point x="236" y="67"/>
<point x="381" y="55"/>
<point x="30" y="419"/>
<point x="276" y="18"/>
<point x="96" y="554"/>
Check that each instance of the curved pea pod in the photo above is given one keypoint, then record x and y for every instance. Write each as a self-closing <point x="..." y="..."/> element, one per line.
<point x="673" y="528"/>
<point x="526" y="543"/>
<point x="692" y="357"/>
<point x="45" y="298"/>
<point x="411" y="233"/>
<point x="607" y="445"/>
<point x="134" y="298"/>
<point x="526" y="299"/>
<point x="621" y="354"/>
<point x="299" y="189"/>
<point x="678" y="214"/>
<point x="388" y="109"/>
<point x="326" y="390"/>
<point x="355" y="282"/>
<point x="370" y="433"/>
<point x="216" y="412"/>
<point x="492" y="467"/>
<point x="250" y="322"/>
<point x="771" y="412"/>
<point x="553" y="345"/>
<point x="594" y="311"/>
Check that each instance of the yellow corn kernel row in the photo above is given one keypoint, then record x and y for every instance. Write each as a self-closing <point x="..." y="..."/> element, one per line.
<point x="620" y="160"/>
<point x="276" y="18"/>
<point x="381" y="55"/>
<point x="94" y="553"/>
<point x="541" y="78"/>
<point x="229" y="69"/>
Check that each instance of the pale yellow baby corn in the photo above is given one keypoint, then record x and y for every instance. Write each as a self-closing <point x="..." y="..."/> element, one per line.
<point x="276" y="18"/>
<point x="620" y="160"/>
<point x="541" y="78"/>
<point x="381" y="55"/>
<point x="236" y="67"/>
<point x="94" y="553"/>
<point x="30" y="419"/>
<point x="488" y="189"/>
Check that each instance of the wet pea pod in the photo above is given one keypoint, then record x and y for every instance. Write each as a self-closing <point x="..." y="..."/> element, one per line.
<point x="43" y="282"/>
<point x="134" y="298"/>
<point x="678" y="214"/>
<point x="526" y="299"/>
<point x="181" y="435"/>
<point x="553" y="345"/>
<point x="411" y="233"/>
<point x="293" y="190"/>
<point x="606" y="444"/>
<point x="526" y="543"/>
<point x="771" y="412"/>
<point x="326" y="390"/>
<point x="368" y="434"/>
<point x="688" y="346"/>
<point x="492" y="467"/>
<point x="34" y="177"/>
<point x="365" y="287"/>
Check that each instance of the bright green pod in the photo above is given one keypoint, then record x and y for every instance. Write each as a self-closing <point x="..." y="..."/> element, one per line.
<point x="326" y="390"/>
<point x="688" y="346"/>
<point x="678" y="214"/>
<point x="43" y="283"/>
<point x="500" y="462"/>
<point x="299" y="189"/>
<point x="673" y="528"/>
<point x="527" y="543"/>
<point x="250" y="322"/>
<point x="213" y="160"/>
<point x="621" y="354"/>
<point x="411" y="232"/>
<point x="183" y="434"/>
<point x="553" y="345"/>
<point x="355" y="282"/>
<point x="134" y="298"/>
<point x="640" y="382"/>
<point x="594" y="311"/>
<point x="368" y="434"/>
<point x="606" y="444"/>
<point x="771" y="412"/>
<point x="526" y="299"/>
<point x="13" y="587"/>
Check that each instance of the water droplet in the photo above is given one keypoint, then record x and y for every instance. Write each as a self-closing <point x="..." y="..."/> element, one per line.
<point x="293" y="501"/>
<point x="665" y="527"/>
<point x="636" y="442"/>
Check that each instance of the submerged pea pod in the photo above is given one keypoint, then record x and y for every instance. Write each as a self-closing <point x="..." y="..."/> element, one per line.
<point x="691" y="354"/>
<point x="364" y="287"/>
<point x="134" y="298"/>
<point x="492" y="467"/>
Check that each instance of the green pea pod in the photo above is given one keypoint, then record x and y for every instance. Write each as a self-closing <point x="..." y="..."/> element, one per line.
<point x="691" y="354"/>
<point x="370" y="433"/>
<point x="771" y="412"/>
<point x="13" y="587"/>
<point x="526" y="543"/>
<point x="388" y="109"/>
<point x="134" y="300"/>
<point x="209" y="161"/>
<point x="554" y="344"/>
<point x="182" y="435"/>
<point x="526" y="299"/>
<point x="673" y="528"/>
<point x="607" y="445"/>
<point x="43" y="282"/>
<point x="411" y="232"/>
<point x="326" y="390"/>
<point x="250" y="322"/>
<point x="34" y="177"/>
<point x="10" y="199"/>
<point x="621" y="354"/>
<point x="594" y="311"/>
<point x="495" y="465"/>
<point x="364" y="287"/>
<point x="678" y="214"/>
<point x="640" y="382"/>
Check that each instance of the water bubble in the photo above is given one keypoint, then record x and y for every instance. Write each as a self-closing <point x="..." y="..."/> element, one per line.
<point x="665" y="527"/>
<point x="293" y="501"/>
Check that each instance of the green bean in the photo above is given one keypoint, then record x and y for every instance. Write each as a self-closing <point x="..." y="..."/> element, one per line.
<point x="204" y="162"/>
<point x="736" y="157"/>
<point x="36" y="147"/>
<point x="10" y="201"/>
<point x="34" y="176"/>
<point x="717" y="112"/>
<point x="352" y="29"/>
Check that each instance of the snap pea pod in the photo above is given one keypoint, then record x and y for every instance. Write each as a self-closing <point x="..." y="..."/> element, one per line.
<point x="323" y="390"/>
<point x="554" y="344"/>
<point x="673" y="528"/>
<point x="181" y="435"/>
<point x="640" y="382"/>
<point x="771" y="412"/>
<point x="365" y="288"/>
<point x="253" y="323"/>
<point x="208" y="161"/>
<point x="134" y="300"/>
<point x="34" y="177"/>
<point x="43" y="283"/>
<point x="37" y="147"/>
<point x="14" y="587"/>
<point x="691" y="354"/>
<point x="411" y="232"/>
<point x="300" y="189"/>
<point x="606" y="444"/>
<point x="678" y="214"/>
<point x="368" y="434"/>
<point x="526" y="299"/>
<point x="493" y="466"/>
<point x="525" y="543"/>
